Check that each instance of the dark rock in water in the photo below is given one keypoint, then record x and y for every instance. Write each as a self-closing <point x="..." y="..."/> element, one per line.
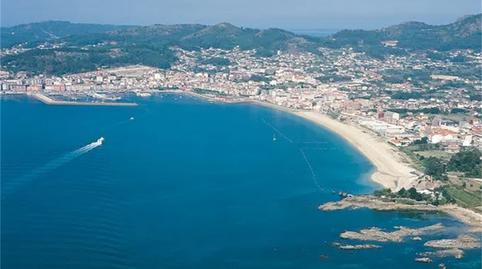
<point x="344" y="195"/>
<point x="323" y="257"/>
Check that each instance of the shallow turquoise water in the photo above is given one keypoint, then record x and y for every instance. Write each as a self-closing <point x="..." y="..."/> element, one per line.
<point x="186" y="184"/>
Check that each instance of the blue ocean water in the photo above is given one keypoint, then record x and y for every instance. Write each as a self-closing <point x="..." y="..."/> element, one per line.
<point x="186" y="184"/>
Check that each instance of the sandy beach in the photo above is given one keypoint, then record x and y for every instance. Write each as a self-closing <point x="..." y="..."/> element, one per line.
<point x="391" y="168"/>
<point x="392" y="171"/>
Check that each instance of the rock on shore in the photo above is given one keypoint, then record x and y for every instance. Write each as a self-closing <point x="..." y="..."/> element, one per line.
<point x="469" y="217"/>
<point x="376" y="234"/>
<point x="454" y="252"/>
<point x="461" y="242"/>
<point x="356" y="247"/>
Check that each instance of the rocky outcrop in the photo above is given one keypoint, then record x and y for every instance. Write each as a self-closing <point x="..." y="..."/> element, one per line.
<point x="376" y="234"/>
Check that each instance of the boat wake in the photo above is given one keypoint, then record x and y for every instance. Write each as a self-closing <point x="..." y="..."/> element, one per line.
<point x="50" y="166"/>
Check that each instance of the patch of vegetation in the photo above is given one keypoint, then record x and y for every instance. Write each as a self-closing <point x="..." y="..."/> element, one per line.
<point x="259" y="78"/>
<point x="462" y="197"/>
<point x="441" y="154"/>
<point x="462" y="34"/>
<point x="428" y="110"/>
<point x="73" y="60"/>
<point x="426" y="158"/>
<point x="406" y="95"/>
<point x="435" y="167"/>
<point x="467" y="161"/>
<point x="405" y="196"/>
<point x="209" y="92"/>
<point x="43" y="31"/>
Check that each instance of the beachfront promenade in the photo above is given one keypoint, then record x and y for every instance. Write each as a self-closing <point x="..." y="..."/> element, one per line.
<point x="49" y="101"/>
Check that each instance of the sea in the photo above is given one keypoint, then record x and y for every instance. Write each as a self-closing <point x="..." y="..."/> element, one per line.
<point x="180" y="182"/>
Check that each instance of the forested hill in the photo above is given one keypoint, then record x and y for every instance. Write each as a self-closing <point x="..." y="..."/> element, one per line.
<point x="84" y="47"/>
<point x="149" y="45"/>
<point x="465" y="33"/>
<point x="49" y="30"/>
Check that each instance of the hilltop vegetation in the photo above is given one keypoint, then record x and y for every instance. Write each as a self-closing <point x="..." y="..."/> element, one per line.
<point x="74" y="60"/>
<point x="462" y="34"/>
<point x="33" y="33"/>
<point x="83" y="47"/>
<point x="149" y="45"/>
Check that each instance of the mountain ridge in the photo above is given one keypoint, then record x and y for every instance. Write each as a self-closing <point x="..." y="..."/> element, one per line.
<point x="88" y="46"/>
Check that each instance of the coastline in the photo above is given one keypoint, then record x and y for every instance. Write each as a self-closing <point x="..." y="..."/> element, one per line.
<point x="467" y="216"/>
<point x="49" y="101"/>
<point x="390" y="169"/>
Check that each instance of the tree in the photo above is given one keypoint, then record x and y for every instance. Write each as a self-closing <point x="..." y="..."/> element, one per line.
<point x="421" y="141"/>
<point x="413" y="194"/>
<point x="467" y="161"/>
<point x="402" y="193"/>
<point x="383" y="192"/>
<point x="435" y="167"/>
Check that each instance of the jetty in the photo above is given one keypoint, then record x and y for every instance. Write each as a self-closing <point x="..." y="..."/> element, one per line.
<point x="50" y="101"/>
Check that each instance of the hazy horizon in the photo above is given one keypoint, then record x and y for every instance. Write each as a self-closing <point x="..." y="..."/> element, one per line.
<point x="291" y="15"/>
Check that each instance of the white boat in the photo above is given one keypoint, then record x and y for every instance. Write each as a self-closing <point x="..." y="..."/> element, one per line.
<point x="99" y="141"/>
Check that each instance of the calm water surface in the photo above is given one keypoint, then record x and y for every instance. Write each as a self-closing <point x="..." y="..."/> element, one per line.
<point x="185" y="184"/>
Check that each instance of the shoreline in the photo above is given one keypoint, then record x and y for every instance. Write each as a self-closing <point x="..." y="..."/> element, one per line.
<point x="384" y="157"/>
<point x="390" y="171"/>
<point x="50" y="101"/>
<point x="464" y="215"/>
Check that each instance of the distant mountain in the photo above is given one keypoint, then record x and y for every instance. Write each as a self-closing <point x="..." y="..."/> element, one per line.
<point x="227" y="36"/>
<point x="149" y="45"/>
<point x="465" y="33"/>
<point x="195" y="37"/>
<point x="43" y="31"/>
<point x="90" y="46"/>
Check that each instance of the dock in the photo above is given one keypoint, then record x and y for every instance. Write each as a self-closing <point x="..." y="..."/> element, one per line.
<point x="50" y="101"/>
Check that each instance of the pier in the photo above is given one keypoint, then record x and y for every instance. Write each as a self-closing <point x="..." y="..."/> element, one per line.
<point x="50" y="101"/>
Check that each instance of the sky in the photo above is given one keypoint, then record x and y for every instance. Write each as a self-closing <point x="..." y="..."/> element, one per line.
<point x="287" y="14"/>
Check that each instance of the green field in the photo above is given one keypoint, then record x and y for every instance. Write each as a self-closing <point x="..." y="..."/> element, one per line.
<point x="465" y="198"/>
<point x="434" y="153"/>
